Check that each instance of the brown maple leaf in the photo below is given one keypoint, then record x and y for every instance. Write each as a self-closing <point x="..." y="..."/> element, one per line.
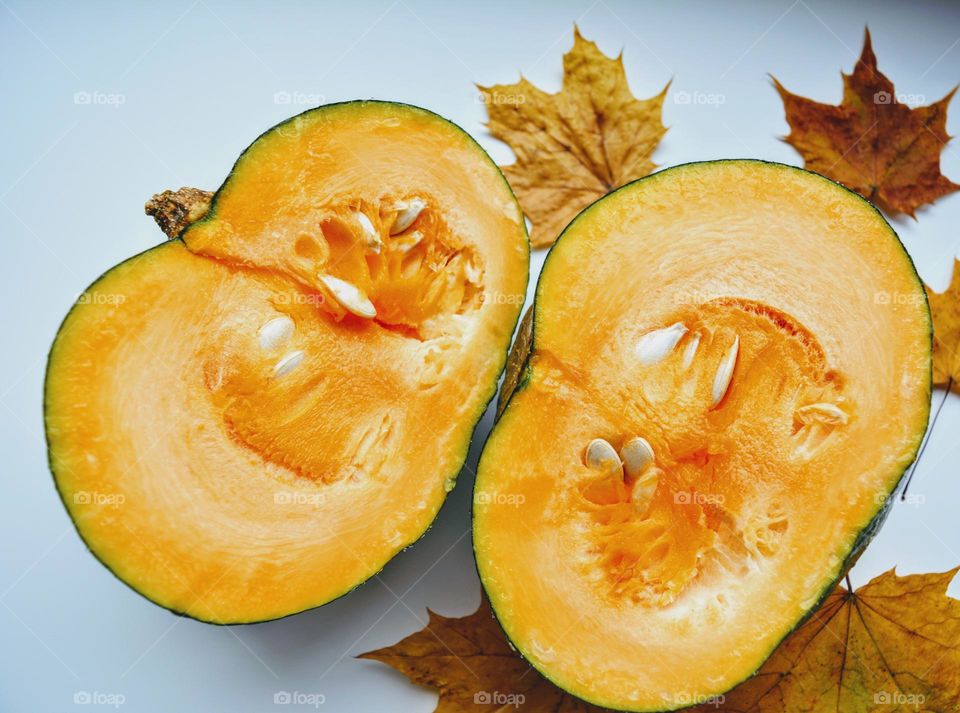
<point x="872" y="143"/>
<point x="945" y="310"/>
<point x="577" y="145"/>
<point x="470" y="663"/>
<point x="892" y="645"/>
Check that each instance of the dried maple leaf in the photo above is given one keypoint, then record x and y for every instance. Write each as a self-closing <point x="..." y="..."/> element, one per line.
<point x="577" y="145"/>
<point x="893" y="645"/>
<point x="470" y="663"/>
<point x="945" y="309"/>
<point x="884" y="150"/>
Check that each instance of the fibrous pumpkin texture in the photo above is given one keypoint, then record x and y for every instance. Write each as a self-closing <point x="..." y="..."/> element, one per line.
<point x="715" y="403"/>
<point x="252" y="419"/>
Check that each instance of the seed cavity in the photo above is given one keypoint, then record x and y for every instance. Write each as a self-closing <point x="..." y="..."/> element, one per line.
<point x="370" y="235"/>
<point x="350" y="297"/>
<point x="288" y="363"/>
<point x="721" y="382"/>
<point x="823" y="412"/>
<point x="653" y="347"/>
<point x="409" y="212"/>
<point x="691" y="350"/>
<point x="637" y="455"/>
<point x="600" y="455"/>
<point x="275" y="332"/>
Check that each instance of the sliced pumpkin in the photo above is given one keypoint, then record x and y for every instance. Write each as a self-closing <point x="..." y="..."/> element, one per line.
<point x="729" y="373"/>
<point x="252" y="420"/>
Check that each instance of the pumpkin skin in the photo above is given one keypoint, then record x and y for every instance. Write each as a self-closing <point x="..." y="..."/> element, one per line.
<point x="230" y="437"/>
<point x="656" y="592"/>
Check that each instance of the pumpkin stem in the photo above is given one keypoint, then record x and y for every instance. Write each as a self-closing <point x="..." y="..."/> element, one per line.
<point x="175" y="210"/>
<point x="926" y="438"/>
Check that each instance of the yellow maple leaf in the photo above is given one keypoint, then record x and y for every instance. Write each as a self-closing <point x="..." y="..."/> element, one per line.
<point x="892" y="645"/>
<point x="575" y="146"/>
<point x="872" y="143"/>
<point x="945" y="310"/>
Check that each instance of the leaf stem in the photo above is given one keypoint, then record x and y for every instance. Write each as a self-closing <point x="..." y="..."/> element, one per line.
<point x="926" y="438"/>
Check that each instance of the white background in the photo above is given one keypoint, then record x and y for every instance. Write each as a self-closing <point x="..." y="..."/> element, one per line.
<point x="198" y="82"/>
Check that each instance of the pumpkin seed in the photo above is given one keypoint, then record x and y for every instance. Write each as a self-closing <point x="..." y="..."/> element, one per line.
<point x="643" y="489"/>
<point x="370" y="235"/>
<point x="653" y="347"/>
<point x="690" y="350"/>
<point x="637" y="455"/>
<point x="600" y="455"/>
<point x="350" y="297"/>
<point x="288" y="363"/>
<point x="824" y="412"/>
<point x="275" y="331"/>
<point x="409" y="212"/>
<point x="721" y="381"/>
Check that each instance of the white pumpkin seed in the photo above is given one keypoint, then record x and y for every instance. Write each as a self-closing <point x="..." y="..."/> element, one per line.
<point x="409" y="212"/>
<point x="276" y="331"/>
<point x="600" y="455"/>
<point x="690" y="350"/>
<point x="350" y="297"/>
<point x="370" y="235"/>
<point x="643" y="489"/>
<point x="288" y="363"/>
<point x="721" y="382"/>
<point x="409" y="242"/>
<point x="653" y="347"/>
<point x="824" y="412"/>
<point x="637" y="455"/>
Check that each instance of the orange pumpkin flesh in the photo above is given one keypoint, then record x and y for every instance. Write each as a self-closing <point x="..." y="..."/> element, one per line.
<point x="658" y="594"/>
<point x="230" y="436"/>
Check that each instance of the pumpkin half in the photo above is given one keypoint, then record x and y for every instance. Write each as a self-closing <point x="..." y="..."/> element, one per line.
<point x="253" y="419"/>
<point x="729" y="373"/>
